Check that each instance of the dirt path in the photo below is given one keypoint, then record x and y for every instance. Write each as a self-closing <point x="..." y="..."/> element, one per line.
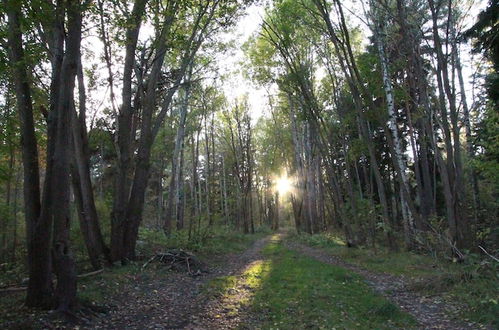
<point x="175" y="300"/>
<point x="430" y="312"/>
<point x="230" y="311"/>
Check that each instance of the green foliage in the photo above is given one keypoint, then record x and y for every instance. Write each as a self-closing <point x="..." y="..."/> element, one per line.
<point x="210" y="241"/>
<point x="488" y="140"/>
<point x="486" y="166"/>
<point x="12" y="274"/>
<point x="484" y="33"/>
<point x="260" y="54"/>
<point x="323" y="240"/>
<point x="274" y="147"/>
<point x="473" y="282"/>
<point x="400" y="263"/>
<point x="481" y="295"/>
<point x="358" y="148"/>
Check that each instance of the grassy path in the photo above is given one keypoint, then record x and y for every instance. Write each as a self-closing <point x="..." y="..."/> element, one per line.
<point x="287" y="290"/>
<point x="429" y="313"/>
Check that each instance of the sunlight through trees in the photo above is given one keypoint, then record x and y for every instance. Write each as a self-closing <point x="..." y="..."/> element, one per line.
<point x="375" y="121"/>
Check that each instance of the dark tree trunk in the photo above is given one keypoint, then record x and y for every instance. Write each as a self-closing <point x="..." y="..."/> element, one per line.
<point x="458" y="223"/>
<point x="14" y="210"/>
<point x="39" y="293"/>
<point x="64" y="265"/>
<point x="82" y="183"/>
<point x="127" y="231"/>
<point x="125" y="134"/>
<point x="275" y="218"/>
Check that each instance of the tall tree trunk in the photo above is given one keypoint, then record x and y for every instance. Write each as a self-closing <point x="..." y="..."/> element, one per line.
<point x="347" y="63"/>
<point x="298" y="198"/>
<point x="82" y="183"/>
<point x="148" y="132"/>
<point x="396" y="145"/>
<point x="275" y="218"/>
<point x="458" y="224"/>
<point x="104" y="37"/>
<point x="179" y="143"/>
<point x="39" y="293"/>
<point x="125" y="134"/>
<point x="64" y="265"/>
<point x="150" y="126"/>
<point x="414" y="75"/>
<point x="180" y="195"/>
<point x="15" y="211"/>
<point x="207" y="170"/>
<point x="467" y="127"/>
<point x="8" y="191"/>
<point x="322" y="224"/>
<point x="194" y="177"/>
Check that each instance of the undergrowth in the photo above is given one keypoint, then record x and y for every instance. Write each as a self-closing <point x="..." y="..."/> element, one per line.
<point x="212" y="241"/>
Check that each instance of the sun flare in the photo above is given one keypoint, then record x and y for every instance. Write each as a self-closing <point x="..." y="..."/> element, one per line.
<point x="283" y="185"/>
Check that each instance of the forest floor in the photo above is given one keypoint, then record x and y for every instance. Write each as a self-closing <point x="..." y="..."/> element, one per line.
<point x="277" y="282"/>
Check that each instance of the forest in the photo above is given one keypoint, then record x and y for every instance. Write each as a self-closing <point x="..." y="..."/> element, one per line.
<point x="253" y="164"/>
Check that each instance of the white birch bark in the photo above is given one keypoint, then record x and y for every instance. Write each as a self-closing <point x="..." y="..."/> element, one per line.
<point x="392" y="116"/>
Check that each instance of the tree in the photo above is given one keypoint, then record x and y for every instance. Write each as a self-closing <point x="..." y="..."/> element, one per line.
<point x="240" y="135"/>
<point x="48" y="224"/>
<point x="204" y="17"/>
<point x="484" y="32"/>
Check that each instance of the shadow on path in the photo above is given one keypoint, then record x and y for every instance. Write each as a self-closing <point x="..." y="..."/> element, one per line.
<point x="175" y="300"/>
<point x="229" y="309"/>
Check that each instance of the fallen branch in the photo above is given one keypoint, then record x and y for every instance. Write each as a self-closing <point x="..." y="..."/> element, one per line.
<point x="22" y="288"/>
<point x="490" y="255"/>
<point x="13" y="289"/>
<point x="91" y="273"/>
<point x="148" y="261"/>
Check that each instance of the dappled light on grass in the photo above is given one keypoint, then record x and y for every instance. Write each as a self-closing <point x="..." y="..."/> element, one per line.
<point x="236" y="293"/>
<point x="286" y="290"/>
<point x="232" y="295"/>
<point x="255" y="274"/>
<point x="251" y="276"/>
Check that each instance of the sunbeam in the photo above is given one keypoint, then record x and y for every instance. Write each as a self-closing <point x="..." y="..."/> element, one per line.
<point x="283" y="185"/>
